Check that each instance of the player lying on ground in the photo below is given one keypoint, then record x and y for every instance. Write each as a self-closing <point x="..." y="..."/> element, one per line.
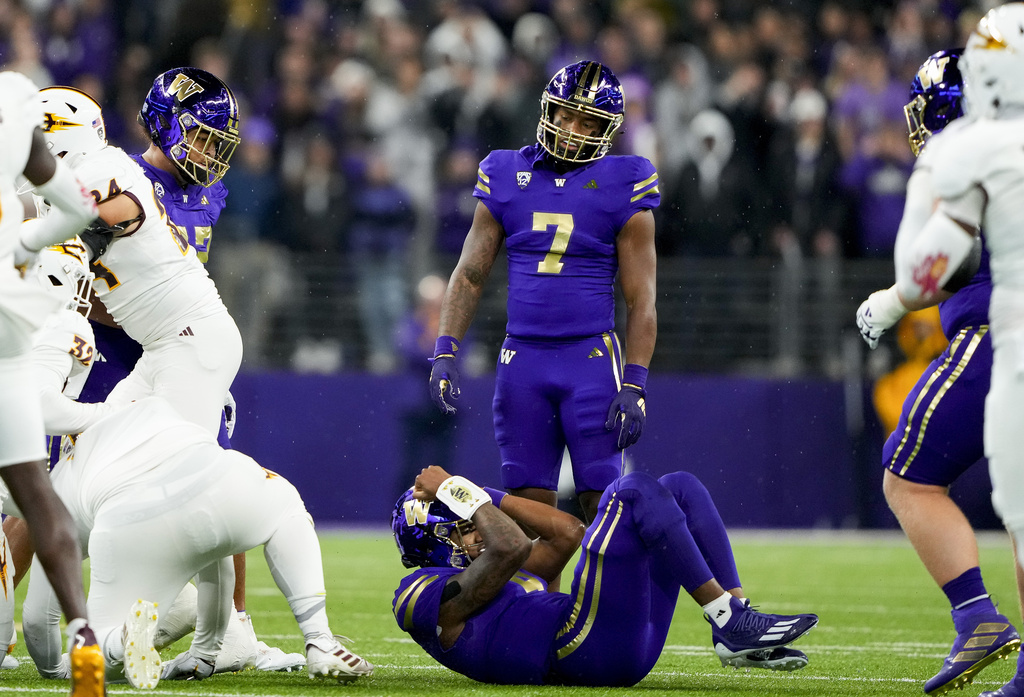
<point x="478" y="604"/>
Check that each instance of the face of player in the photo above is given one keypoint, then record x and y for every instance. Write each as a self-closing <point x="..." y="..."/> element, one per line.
<point x="577" y="123"/>
<point x="204" y="145"/>
<point x="470" y="539"/>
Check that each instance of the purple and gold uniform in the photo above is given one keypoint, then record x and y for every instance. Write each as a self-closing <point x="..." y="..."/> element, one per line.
<point x="940" y="432"/>
<point x="560" y="365"/>
<point x="650" y="538"/>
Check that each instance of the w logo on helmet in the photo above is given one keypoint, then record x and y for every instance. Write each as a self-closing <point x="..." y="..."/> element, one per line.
<point x="932" y="71"/>
<point x="416" y="512"/>
<point x="183" y="87"/>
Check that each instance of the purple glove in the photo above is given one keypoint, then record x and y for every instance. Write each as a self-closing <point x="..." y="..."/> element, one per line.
<point x="629" y="405"/>
<point x="444" y="376"/>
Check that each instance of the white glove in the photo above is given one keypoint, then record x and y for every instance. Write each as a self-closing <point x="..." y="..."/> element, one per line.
<point x="230" y="412"/>
<point x="878" y="313"/>
<point x="24" y="258"/>
<point x="185" y="666"/>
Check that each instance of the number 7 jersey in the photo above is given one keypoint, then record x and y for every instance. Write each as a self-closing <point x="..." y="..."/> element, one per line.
<point x="560" y="236"/>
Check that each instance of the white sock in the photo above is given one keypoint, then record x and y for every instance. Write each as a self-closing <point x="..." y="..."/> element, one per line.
<point x="719" y="609"/>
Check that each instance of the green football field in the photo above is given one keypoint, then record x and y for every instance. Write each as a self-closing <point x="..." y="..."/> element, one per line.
<point x="884" y="627"/>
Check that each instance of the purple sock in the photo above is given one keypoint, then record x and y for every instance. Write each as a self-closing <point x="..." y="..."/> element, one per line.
<point x="967" y="596"/>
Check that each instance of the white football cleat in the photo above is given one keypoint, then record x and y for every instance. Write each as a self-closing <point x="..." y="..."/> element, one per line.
<point x="141" y="660"/>
<point x="326" y="657"/>
<point x="238" y="651"/>
<point x="272" y="658"/>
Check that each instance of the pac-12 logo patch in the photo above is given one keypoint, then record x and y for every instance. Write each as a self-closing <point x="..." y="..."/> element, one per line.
<point x="523" y="178"/>
<point x="159" y="189"/>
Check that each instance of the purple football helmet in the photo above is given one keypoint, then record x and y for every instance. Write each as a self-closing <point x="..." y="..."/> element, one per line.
<point x="936" y="97"/>
<point x="185" y="109"/>
<point x="428" y="533"/>
<point x="588" y="87"/>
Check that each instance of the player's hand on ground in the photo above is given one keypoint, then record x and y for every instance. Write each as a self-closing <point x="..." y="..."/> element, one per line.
<point x="185" y="666"/>
<point x="629" y="410"/>
<point x="444" y="384"/>
<point x="427" y="482"/>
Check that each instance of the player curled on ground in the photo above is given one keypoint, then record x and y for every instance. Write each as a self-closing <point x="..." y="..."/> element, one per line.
<point x="480" y="603"/>
<point x="978" y="178"/>
<point x="572" y="219"/>
<point x="23" y="307"/>
<point x="940" y="431"/>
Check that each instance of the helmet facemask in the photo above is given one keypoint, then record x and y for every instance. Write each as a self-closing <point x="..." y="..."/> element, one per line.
<point x="936" y="98"/>
<point x="592" y="90"/>
<point x="199" y="165"/>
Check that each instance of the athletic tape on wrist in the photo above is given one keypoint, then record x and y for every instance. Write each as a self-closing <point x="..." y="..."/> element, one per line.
<point x="462" y="496"/>
<point x="446" y="346"/>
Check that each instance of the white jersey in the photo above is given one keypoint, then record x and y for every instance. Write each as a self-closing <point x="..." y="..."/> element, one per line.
<point x="989" y="154"/>
<point x="63" y="353"/>
<point x="21" y="111"/>
<point x="151" y="281"/>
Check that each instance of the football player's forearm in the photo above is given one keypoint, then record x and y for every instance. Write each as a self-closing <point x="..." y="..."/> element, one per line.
<point x="641" y="336"/>
<point x="459" y="308"/>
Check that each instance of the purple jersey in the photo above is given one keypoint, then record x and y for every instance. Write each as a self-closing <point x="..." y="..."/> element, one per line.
<point x="193" y="209"/>
<point x="969" y="306"/>
<point x="560" y="236"/>
<point x="510" y="641"/>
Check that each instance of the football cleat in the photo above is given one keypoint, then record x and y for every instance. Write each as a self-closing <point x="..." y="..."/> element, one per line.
<point x="141" y="660"/>
<point x="990" y="637"/>
<point x="327" y="657"/>
<point x="271" y="658"/>
<point x="779" y="658"/>
<point x="749" y="631"/>
<point x="87" y="669"/>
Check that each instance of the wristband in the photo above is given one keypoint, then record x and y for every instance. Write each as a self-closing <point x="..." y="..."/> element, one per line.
<point x="634" y="375"/>
<point x="496" y="496"/>
<point x="886" y="307"/>
<point x="446" y="347"/>
<point x="462" y="496"/>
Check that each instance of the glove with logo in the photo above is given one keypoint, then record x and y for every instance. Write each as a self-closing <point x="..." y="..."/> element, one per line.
<point x="878" y="313"/>
<point x="185" y="666"/>
<point x="444" y="376"/>
<point x="629" y="405"/>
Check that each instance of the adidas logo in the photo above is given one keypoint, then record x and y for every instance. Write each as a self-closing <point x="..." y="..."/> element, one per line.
<point x="720" y="613"/>
<point x="595" y="353"/>
<point x="187" y="331"/>
<point x="778" y="630"/>
<point x="590" y="184"/>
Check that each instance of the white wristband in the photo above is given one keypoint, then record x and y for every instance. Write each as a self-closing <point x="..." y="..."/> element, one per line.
<point x="462" y="496"/>
<point x="886" y="308"/>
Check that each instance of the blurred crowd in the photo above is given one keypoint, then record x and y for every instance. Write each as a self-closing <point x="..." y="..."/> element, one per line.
<point x="777" y="127"/>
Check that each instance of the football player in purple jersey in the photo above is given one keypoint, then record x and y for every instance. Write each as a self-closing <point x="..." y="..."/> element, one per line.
<point x="490" y="618"/>
<point x="572" y="218"/>
<point x="940" y="431"/>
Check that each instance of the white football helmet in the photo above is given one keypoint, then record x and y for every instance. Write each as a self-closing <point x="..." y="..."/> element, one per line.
<point x="63" y="270"/>
<point x="72" y="121"/>
<point x="993" y="62"/>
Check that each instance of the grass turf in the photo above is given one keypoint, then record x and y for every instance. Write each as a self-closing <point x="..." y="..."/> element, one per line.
<point x="884" y="628"/>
